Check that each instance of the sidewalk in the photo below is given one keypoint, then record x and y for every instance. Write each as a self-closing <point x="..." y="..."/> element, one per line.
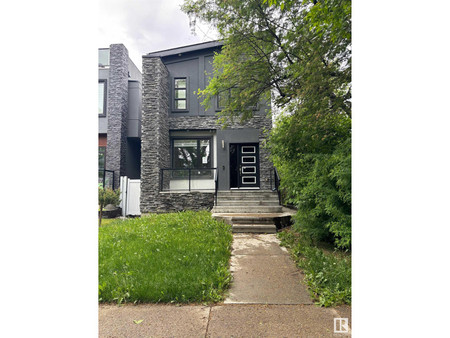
<point x="266" y="299"/>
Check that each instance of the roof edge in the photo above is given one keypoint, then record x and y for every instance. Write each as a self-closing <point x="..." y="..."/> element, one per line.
<point x="184" y="49"/>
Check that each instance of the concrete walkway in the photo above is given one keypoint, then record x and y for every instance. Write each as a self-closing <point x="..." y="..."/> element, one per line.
<point x="266" y="299"/>
<point x="263" y="273"/>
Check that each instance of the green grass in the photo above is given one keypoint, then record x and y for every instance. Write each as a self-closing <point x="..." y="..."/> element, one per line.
<point x="178" y="257"/>
<point x="108" y="221"/>
<point x="327" y="273"/>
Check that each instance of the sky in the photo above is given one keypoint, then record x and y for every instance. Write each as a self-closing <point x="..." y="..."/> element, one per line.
<point x="145" y="26"/>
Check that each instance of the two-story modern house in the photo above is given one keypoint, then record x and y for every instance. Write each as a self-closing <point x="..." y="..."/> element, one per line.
<point x="185" y="154"/>
<point x="119" y="116"/>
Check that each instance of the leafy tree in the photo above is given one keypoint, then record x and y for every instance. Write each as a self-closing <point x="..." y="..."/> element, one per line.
<point x="298" y="49"/>
<point x="297" y="53"/>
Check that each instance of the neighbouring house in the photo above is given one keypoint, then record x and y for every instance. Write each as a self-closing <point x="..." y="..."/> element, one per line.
<point x="119" y="116"/>
<point x="185" y="154"/>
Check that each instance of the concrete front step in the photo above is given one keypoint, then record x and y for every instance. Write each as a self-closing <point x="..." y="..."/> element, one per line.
<point x="254" y="228"/>
<point x="256" y="222"/>
<point x="247" y="209"/>
<point x="222" y="202"/>
<point x="252" y="220"/>
<point x="248" y="198"/>
<point x="264" y="194"/>
<point x="245" y="191"/>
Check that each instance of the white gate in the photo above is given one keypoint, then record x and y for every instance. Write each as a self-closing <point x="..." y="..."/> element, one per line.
<point x="130" y="196"/>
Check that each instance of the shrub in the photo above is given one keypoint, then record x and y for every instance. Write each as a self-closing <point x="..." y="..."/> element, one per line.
<point x="105" y="197"/>
<point x="313" y="157"/>
<point x="324" y="203"/>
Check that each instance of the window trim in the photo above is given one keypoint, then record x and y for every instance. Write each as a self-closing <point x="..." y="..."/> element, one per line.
<point x="174" y="100"/>
<point x="104" y="97"/>
<point x="198" y="138"/>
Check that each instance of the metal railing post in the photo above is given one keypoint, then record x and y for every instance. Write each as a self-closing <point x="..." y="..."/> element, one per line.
<point x="189" y="179"/>
<point x="216" y="185"/>
<point x="271" y="186"/>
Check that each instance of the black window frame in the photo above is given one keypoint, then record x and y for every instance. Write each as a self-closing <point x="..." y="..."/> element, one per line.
<point x="104" y="96"/>
<point x="228" y="92"/>
<point x="102" y="149"/>
<point x="174" y="100"/>
<point x="198" y="138"/>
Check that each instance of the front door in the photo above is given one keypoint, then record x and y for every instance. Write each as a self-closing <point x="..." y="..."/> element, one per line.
<point x="244" y="165"/>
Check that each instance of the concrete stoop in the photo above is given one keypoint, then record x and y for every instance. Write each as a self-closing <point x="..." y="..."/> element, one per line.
<point x="251" y="211"/>
<point x="252" y="223"/>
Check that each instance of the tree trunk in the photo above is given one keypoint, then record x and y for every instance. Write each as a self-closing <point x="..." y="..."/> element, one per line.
<point x="100" y="217"/>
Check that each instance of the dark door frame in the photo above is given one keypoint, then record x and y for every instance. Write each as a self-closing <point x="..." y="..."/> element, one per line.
<point x="244" y="165"/>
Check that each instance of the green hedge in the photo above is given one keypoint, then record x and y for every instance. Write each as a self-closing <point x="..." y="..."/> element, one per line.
<point x="315" y="171"/>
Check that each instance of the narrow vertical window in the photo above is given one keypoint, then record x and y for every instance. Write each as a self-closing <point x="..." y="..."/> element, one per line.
<point x="102" y="98"/>
<point x="101" y="158"/>
<point x="180" y="94"/>
<point x="224" y="97"/>
<point x="101" y="164"/>
<point x="103" y="58"/>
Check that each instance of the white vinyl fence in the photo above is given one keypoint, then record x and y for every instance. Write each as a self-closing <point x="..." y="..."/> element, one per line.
<point x="130" y="195"/>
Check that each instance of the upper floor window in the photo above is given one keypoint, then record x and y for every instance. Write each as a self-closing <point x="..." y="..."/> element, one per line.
<point x="180" y="94"/>
<point x="102" y="98"/>
<point x="103" y="58"/>
<point x="224" y="97"/>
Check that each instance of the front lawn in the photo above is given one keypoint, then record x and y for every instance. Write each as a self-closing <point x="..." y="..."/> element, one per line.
<point x="178" y="257"/>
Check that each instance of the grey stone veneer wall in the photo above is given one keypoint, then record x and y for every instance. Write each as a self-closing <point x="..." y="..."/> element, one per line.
<point x="155" y="131"/>
<point x="155" y="143"/>
<point x="117" y="111"/>
<point x="184" y="201"/>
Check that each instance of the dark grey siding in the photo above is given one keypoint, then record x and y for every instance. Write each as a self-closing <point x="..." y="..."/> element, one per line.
<point x="188" y="69"/>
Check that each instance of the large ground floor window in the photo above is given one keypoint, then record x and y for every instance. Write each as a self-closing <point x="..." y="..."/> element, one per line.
<point x="191" y="153"/>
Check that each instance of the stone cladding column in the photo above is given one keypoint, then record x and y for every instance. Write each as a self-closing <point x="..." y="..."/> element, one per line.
<point x="155" y="131"/>
<point x="117" y="111"/>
